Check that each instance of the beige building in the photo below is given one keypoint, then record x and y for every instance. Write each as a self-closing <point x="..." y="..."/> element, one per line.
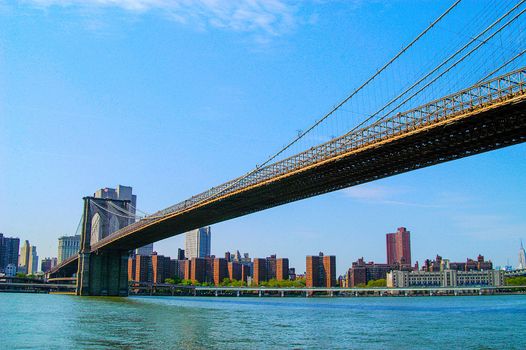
<point x="446" y="278"/>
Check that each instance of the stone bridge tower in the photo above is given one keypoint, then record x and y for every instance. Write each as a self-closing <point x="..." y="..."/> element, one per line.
<point x="102" y="272"/>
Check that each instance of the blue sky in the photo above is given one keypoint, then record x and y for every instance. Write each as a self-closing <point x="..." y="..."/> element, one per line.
<point x="173" y="97"/>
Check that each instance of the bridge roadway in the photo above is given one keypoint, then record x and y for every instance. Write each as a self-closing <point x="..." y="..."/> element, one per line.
<point x="484" y="117"/>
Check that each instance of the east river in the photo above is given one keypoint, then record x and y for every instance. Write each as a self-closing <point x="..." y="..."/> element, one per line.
<point x="41" y="321"/>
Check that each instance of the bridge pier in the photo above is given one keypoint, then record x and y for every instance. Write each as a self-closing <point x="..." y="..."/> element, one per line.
<point x="103" y="273"/>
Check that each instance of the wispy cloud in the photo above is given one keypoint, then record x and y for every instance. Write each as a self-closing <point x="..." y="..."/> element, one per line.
<point x="262" y="17"/>
<point x="491" y="227"/>
<point x="371" y="193"/>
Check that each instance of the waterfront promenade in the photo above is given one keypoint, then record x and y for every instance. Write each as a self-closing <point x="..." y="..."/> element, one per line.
<point x="170" y="289"/>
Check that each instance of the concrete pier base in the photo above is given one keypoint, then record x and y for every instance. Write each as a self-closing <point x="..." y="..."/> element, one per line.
<point x="103" y="274"/>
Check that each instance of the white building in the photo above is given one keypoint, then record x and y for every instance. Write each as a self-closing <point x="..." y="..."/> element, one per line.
<point x="68" y="246"/>
<point x="446" y="278"/>
<point x="198" y="243"/>
<point x="522" y="258"/>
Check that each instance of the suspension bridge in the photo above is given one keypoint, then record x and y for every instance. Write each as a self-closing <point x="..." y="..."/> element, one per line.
<point x="406" y="129"/>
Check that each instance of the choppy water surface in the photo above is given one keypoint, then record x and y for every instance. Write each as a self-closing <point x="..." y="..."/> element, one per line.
<point x="43" y="321"/>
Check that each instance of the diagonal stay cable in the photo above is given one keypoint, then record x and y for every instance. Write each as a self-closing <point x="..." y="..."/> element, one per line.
<point x="501" y="66"/>
<point x="109" y="211"/>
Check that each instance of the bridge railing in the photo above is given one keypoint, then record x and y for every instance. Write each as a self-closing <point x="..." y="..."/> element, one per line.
<point x="478" y="96"/>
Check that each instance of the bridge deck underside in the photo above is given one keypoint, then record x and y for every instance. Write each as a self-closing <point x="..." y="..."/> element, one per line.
<point x="491" y="129"/>
<point x="65" y="269"/>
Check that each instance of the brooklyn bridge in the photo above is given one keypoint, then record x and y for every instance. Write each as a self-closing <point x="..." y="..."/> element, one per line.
<point x="405" y="133"/>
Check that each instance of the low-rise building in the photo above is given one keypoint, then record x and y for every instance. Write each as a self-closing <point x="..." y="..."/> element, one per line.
<point x="10" y="270"/>
<point x="445" y="278"/>
<point x="440" y="264"/>
<point x="362" y="272"/>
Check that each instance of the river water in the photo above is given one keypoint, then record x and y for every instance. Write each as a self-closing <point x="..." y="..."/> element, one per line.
<point x="41" y="321"/>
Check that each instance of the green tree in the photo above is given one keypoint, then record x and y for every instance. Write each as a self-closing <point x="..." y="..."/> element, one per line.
<point x="377" y="283"/>
<point x="186" y="282"/>
<point x="300" y="282"/>
<point x="516" y="281"/>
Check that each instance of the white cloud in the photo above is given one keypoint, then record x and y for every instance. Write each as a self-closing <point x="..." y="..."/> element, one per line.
<point x="268" y="17"/>
<point x="370" y="192"/>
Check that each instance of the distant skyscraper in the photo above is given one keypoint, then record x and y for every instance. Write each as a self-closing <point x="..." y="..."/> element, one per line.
<point x="68" y="246"/>
<point x="124" y="193"/>
<point x="32" y="265"/>
<point x="198" y="242"/>
<point x="8" y="251"/>
<point x="399" y="247"/>
<point x="522" y="258"/>
<point x="180" y="254"/>
<point x="23" y="260"/>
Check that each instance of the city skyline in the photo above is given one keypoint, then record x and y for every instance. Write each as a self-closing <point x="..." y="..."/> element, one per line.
<point x="460" y="208"/>
<point x="68" y="245"/>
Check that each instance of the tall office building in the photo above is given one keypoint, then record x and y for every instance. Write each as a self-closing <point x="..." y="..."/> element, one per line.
<point x="8" y="251"/>
<point x="197" y="243"/>
<point x="321" y="271"/>
<point x="32" y="265"/>
<point x="180" y="254"/>
<point x="399" y="247"/>
<point x="23" y="259"/>
<point x="124" y="193"/>
<point x="522" y="258"/>
<point x="68" y="246"/>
